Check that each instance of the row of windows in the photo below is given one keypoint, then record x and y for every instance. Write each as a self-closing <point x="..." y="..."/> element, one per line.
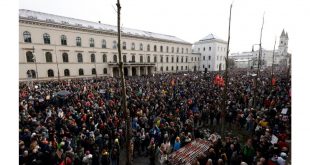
<point x="218" y="49"/>
<point x="65" y="58"/>
<point x="172" y="68"/>
<point x="217" y="58"/>
<point x="63" y="41"/>
<point x="50" y="72"/>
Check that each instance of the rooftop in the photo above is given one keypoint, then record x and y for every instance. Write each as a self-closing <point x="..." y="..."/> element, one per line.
<point x="39" y="16"/>
<point x="211" y="37"/>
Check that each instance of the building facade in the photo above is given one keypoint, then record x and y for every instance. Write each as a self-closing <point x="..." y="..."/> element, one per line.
<point x="281" y="55"/>
<point x="212" y="52"/>
<point x="52" y="47"/>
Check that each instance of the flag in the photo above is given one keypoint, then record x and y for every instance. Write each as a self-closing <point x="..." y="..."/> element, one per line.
<point x="273" y="81"/>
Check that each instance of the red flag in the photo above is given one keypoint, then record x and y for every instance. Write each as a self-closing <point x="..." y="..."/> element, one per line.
<point x="273" y="81"/>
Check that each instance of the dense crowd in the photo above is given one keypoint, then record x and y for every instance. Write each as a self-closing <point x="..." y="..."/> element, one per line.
<point x="168" y="111"/>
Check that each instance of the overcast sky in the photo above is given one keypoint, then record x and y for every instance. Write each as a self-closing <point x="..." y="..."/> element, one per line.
<point x="189" y="20"/>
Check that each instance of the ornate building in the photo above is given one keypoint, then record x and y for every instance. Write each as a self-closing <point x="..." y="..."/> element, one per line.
<point x="52" y="47"/>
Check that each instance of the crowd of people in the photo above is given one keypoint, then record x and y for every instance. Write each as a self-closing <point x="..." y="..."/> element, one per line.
<point x="168" y="111"/>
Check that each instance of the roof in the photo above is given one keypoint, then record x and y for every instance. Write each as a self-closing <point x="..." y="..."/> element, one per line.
<point x="35" y="15"/>
<point x="211" y="37"/>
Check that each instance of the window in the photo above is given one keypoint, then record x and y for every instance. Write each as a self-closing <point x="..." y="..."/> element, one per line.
<point x="209" y="48"/>
<point x="155" y="58"/>
<point x="204" y="48"/>
<point x="80" y="57"/>
<point x="46" y="38"/>
<point x="186" y="50"/>
<point x="209" y="66"/>
<point x="167" y="68"/>
<point x="103" y="44"/>
<point x="185" y="67"/>
<point x="78" y="41"/>
<point x="27" y="37"/>
<point x="198" y="49"/>
<point x="141" y="46"/>
<point x="31" y="74"/>
<point x="217" y="57"/>
<point x="133" y="46"/>
<point x="124" y="45"/>
<point x="104" y="58"/>
<point x="161" y="49"/>
<point x="172" y="59"/>
<point x="141" y="59"/>
<point x="50" y="73"/>
<point x="148" y="48"/>
<point x="91" y="42"/>
<point x="92" y="58"/>
<point x="172" y="49"/>
<point x="192" y="58"/>
<point x="93" y="71"/>
<point x="114" y="44"/>
<point x="195" y="59"/>
<point x="177" y="58"/>
<point x="172" y="68"/>
<point x="204" y="58"/>
<point x="182" y="59"/>
<point x="182" y="50"/>
<point x="181" y="67"/>
<point x="63" y="40"/>
<point x="177" y="50"/>
<point x="148" y="59"/>
<point x="114" y="58"/>
<point x="67" y="72"/>
<point x="167" y="59"/>
<point x="133" y="58"/>
<point x="203" y="66"/>
<point x="29" y="56"/>
<point x="155" y="69"/>
<point x="209" y="57"/>
<point x="161" y="58"/>
<point x="177" y="67"/>
<point x="65" y="57"/>
<point x="124" y="58"/>
<point x="48" y="57"/>
<point x="105" y="71"/>
<point x="161" y="68"/>
<point x="186" y="59"/>
<point x="167" y="49"/>
<point x="81" y="72"/>
<point x="155" y="48"/>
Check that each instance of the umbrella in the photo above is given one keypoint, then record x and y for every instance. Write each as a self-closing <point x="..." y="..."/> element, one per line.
<point x="63" y="93"/>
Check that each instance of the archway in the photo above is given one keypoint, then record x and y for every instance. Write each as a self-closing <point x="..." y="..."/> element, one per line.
<point x="134" y="71"/>
<point x="115" y="72"/>
<point x="126" y="71"/>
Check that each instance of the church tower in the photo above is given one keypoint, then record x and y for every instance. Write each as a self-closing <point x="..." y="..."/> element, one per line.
<point x="283" y="45"/>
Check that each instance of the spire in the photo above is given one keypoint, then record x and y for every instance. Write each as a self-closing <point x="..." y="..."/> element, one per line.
<point x="283" y="33"/>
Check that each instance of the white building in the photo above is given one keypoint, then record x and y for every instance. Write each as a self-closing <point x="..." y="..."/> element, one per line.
<point x="56" y="46"/>
<point x="281" y="56"/>
<point x="212" y="52"/>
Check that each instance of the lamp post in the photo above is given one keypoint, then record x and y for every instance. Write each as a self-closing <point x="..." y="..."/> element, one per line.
<point x="35" y="62"/>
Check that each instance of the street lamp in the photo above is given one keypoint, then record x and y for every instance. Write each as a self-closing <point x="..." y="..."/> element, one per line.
<point x="35" y="62"/>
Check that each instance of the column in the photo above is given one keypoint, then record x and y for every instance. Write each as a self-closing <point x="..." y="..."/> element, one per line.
<point x="110" y="71"/>
<point x="138" y="71"/>
<point x="129" y="71"/>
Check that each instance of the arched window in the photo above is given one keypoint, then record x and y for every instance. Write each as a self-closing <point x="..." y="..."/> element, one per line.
<point x="161" y="48"/>
<point x="167" y="59"/>
<point x="177" y="58"/>
<point x="141" y="46"/>
<point x="141" y="59"/>
<point x="46" y="38"/>
<point x="124" y="45"/>
<point x="167" y="49"/>
<point x="114" y="44"/>
<point x="105" y="71"/>
<point x="27" y="37"/>
<point x="181" y="67"/>
<point x="114" y="58"/>
<point x="104" y="44"/>
<point x="63" y="40"/>
<point x="65" y="57"/>
<point x="67" y="72"/>
<point x="172" y="68"/>
<point x="182" y="50"/>
<point x="161" y="68"/>
<point x="177" y="49"/>
<point x="48" y="57"/>
<point x="186" y="59"/>
<point x="148" y="47"/>
<point x="124" y="58"/>
<point x="177" y="67"/>
<point x="29" y="56"/>
<point x="91" y="42"/>
<point x="155" y="58"/>
<point x="93" y="71"/>
<point x="172" y="49"/>
<point x="185" y="67"/>
<point x="182" y="59"/>
<point x="81" y="72"/>
<point x="161" y="58"/>
<point x="133" y="46"/>
<point x="148" y="59"/>
<point x="78" y="41"/>
<point x="104" y="58"/>
<point x="167" y="68"/>
<point x="92" y="58"/>
<point x="31" y="74"/>
<point x="50" y="73"/>
<point x="155" y="48"/>
<point x="172" y="59"/>
<point x="80" y="57"/>
<point x="133" y="58"/>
